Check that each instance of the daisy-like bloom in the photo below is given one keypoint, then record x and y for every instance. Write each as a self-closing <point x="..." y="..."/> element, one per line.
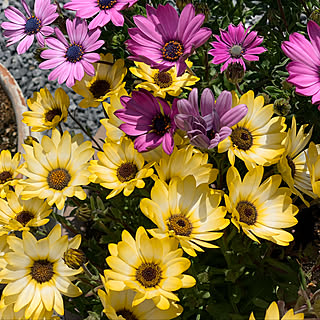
<point x="235" y="46"/>
<point x="107" y="10"/>
<point x="260" y="210"/>
<point x="36" y="274"/>
<point x="257" y="138"/>
<point x="313" y="162"/>
<point x="163" y="82"/>
<point x="56" y="168"/>
<point x="153" y="268"/>
<point x="118" y="305"/>
<point x="120" y="167"/>
<point x="187" y="212"/>
<point x="70" y="60"/>
<point x="148" y="118"/>
<point x="19" y="215"/>
<point x="272" y="313"/>
<point x="107" y="81"/>
<point x="216" y="119"/>
<point x="293" y="164"/>
<point x="46" y="111"/>
<point x="163" y="39"/>
<point x="305" y="56"/>
<point x="8" y="171"/>
<point x="25" y="28"/>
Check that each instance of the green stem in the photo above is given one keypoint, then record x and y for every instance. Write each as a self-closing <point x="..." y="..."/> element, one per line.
<point x="238" y="88"/>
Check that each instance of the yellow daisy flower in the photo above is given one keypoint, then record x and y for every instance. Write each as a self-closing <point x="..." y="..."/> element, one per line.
<point x="120" y="167"/>
<point x="106" y="82"/>
<point x="313" y="162"/>
<point x="258" y="138"/>
<point x="56" y="168"/>
<point x="36" y="275"/>
<point x="151" y="267"/>
<point x="292" y="165"/>
<point x="272" y="313"/>
<point x="8" y="171"/>
<point x="19" y="215"/>
<point x="118" y="305"/>
<point x="186" y="212"/>
<point x="260" y="210"/>
<point x="163" y="82"/>
<point x="46" y="111"/>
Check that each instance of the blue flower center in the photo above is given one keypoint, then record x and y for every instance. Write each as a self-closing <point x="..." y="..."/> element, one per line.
<point x="33" y="25"/>
<point x="74" y="53"/>
<point x="106" y="4"/>
<point x="172" y="50"/>
<point x="161" y="124"/>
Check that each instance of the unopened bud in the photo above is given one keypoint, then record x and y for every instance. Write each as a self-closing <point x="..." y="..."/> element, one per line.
<point x="265" y="97"/>
<point x="286" y="85"/>
<point x="202" y="7"/>
<point x="315" y="16"/>
<point x="182" y="3"/>
<point x="29" y="140"/>
<point x="235" y="72"/>
<point x="281" y="107"/>
<point x="74" y="258"/>
<point x="83" y="213"/>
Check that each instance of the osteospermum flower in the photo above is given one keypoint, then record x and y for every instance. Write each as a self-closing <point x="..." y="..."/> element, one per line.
<point x="72" y="59"/>
<point x="57" y="168"/>
<point x="187" y="212"/>
<point x="120" y="167"/>
<point x="163" y="82"/>
<point x="163" y="39"/>
<point x="216" y="119"/>
<point x="25" y="28"/>
<point x="260" y="210"/>
<point x="36" y="274"/>
<point x="235" y="46"/>
<point x="313" y="162"/>
<point x="305" y="56"/>
<point x="153" y="268"/>
<point x="150" y="119"/>
<point x="258" y="138"/>
<point x="107" y="10"/>
<point x="46" y="111"/>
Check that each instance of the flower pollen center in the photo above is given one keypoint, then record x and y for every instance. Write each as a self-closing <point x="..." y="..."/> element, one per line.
<point x="161" y="124"/>
<point x="211" y="134"/>
<point x="52" y="113"/>
<point x="126" y="314"/>
<point x="58" y="179"/>
<point x="163" y="79"/>
<point x="99" y="88"/>
<point x="247" y="212"/>
<point x="32" y="26"/>
<point x="42" y="271"/>
<point x="24" y="217"/>
<point x="149" y="274"/>
<point x="106" y="4"/>
<point x="292" y="166"/>
<point x="127" y="171"/>
<point x="74" y="53"/>
<point x="5" y="176"/>
<point x="236" y="51"/>
<point x="172" y="50"/>
<point x="180" y="225"/>
<point x="242" y="138"/>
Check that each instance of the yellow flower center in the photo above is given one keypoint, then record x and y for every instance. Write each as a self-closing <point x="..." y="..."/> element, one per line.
<point x="180" y="225"/>
<point x="247" y="212"/>
<point x="242" y="138"/>
<point x="163" y="79"/>
<point x="52" y="113"/>
<point x="292" y="166"/>
<point x="24" y="217"/>
<point x="127" y="171"/>
<point x="42" y="271"/>
<point x="126" y="314"/>
<point x="149" y="274"/>
<point x="172" y="50"/>
<point x="99" y="88"/>
<point x="5" y="176"/>
<point x="58" y="179"/>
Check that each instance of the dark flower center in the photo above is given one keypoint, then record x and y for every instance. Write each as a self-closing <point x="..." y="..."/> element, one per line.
<point x="292" y="166"/>
<point x="42" y="271"/>
<point x="236" y="51"/>
<point x="74" y="53"/>
<point x="172" y="50"/>
<point x="52" y="113"/>
<point x="149" y="274"/>
<point x="180" y="225"/>
<point x="161" y="124"/>
<point x="211" y="134"/>
<point x="99" y="88"/>
<point x="106" y="4"/>
<point x="242" y="138"/>
<point x="5" y="176"/>
<point x="33" y="25"/>
<point x="58" y="179"/>
<point x="24" y="217"/>
<point x="126" y="314"/>
<point x="163" y="79"/>
<point x="127" y="171"/>
<point x="247" y="212"/>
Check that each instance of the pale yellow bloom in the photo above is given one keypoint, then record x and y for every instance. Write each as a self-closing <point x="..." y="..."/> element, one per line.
<point x="313" y="162"/>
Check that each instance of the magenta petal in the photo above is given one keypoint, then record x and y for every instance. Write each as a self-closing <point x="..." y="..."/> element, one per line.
<point x="25" y="44"/>
<point x="147" y="142"/>
<point x="63" y="75"/>
<point x="52" y="63"/>
<point x="134" y="130"/>
<point x="26" y="7"/>
<point x="40" y="39"/>
<point x="314" y="34"/>
<point x="187" y="15"/>
<point x="54" y="74"/>
<point x="56" y="44"/>
<point x="167" y="143"/>
<point x="223" y="103"/>
<point x="100" y="20"/>
<point x="316" y="98"/>
<point x="88" y="67"/>
<point x="206" y="102"/>
<point x="168" y="17"/>
<point x="117" y="18"/>
<point x="234" y="115"/>
<point x="47" y="31"/>
<point x="15" y="15"/>
<point x="148" y="29"/>
<point x="11" y="26"/>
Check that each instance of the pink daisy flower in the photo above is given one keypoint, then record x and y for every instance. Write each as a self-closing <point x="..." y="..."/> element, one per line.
<point x="305" y="56"/>
<point x="235" y="45"/>
<point x="25" y="28"/>
<point x="71" y="59"/>
<point x="107" y="10"/>
<point x="163" y="39"/>
<point x="148" y="118"/>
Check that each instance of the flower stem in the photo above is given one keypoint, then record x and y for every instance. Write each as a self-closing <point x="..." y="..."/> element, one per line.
<point x="190" y="71"/>
<point x="129" y="22"/>
<point x="238" y="88"/>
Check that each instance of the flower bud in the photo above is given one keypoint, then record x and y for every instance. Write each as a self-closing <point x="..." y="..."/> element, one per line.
<point x="265" y="97"/>
<point x="74" y="258"/>
<point x="286" y="85"/>
<point x="203" y="8"/>
<point x="234" y="72"/>
<point x="182" y="3"/>
<point x="29" y="140"/>
<point x="281" y="107"/>
<point x="315" y="16"/>
<point x="83" y="213"/>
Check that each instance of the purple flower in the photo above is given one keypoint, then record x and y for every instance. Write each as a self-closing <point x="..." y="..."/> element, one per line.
<point x="150" y="119"/>
<point x="164" y="40"/>
<point x="107" y="10"/>
<point x="25" y="28"/>
<point x="235" y="45"/>
<point x="216" y="119"/>
<point x="71" y="59"/>
<point x="305" y="56"/>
